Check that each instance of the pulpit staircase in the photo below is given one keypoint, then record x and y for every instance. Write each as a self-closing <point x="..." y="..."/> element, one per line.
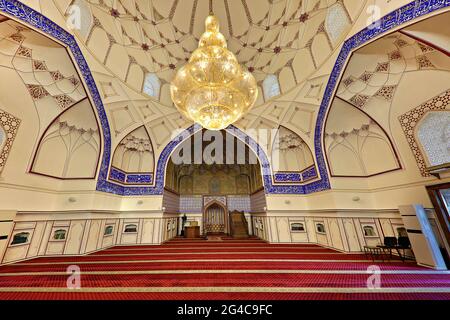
<point x="239" y="225"/>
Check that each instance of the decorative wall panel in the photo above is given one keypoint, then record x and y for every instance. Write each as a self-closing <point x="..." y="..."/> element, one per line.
<point x="133" y="160"/>
<point x="239" y="203"/>
<point x="410" y="120"/>
<point x="191" y="204"/>
<point x="434" y="136"/>
<point x="355" y="143"/>
<point x="8" y="130"/>
<point x="291" y="158"/>
<point x="70" y="147"/>
<point x="269" y="37"/>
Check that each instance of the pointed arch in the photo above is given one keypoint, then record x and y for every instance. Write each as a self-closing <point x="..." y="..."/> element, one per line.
<point x="215" y="221"/>
<point x="291" y="158"/>
<point x="355" y="143"/>
<point x="135" y="152"/>
<point x="70" y="146"/>
<point x="433" y="135"/>
<point x="290" y="151"/>
<point x="133" y="161"/>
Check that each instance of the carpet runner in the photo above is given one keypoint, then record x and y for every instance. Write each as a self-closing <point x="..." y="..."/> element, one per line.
<point x="224" y="269"/>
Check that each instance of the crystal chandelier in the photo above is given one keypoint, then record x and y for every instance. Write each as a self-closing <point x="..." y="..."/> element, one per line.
<point x="212" y="89"/>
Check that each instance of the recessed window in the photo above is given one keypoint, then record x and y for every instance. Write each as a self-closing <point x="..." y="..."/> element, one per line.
<point x="320" y="227"/>
<point x="59" y="234"/>
<point x="297" y="227"/>
<point x="130" y="228"/>
<point x="152" y="85"/>
<point x="401" y="232"/>
<point x="434" y="136"/>
<point x="369" y="231"/>
<point x="79" y="17"/>
<point x="336" y="22"/>
<point x="21" y="237"/>
<point x="109" y="230"/>
<point x="271" y="87"/>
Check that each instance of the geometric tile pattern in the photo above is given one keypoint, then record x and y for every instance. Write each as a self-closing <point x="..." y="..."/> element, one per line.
<point x="425" y="48"/>
<point x="389" y="22"/>
<point x="382" y="67"/>
<point x="361" y="85"/>
<point x="386" y="92"/>
<point x="64" y="101"/>
<point x="347" y="82"/>
<point x="37" y="77"/>
<point x="424" y="63"/>
<point x="395" y="55"/>
<point x="359" y="100"/>
<point x="10" y="125"/>
<point x="434" y="136"/>
<point x="157" y="41"/>
<point x="410" y="119"/>
<point x="37" y="91"/>
<point x="128" y="178"/>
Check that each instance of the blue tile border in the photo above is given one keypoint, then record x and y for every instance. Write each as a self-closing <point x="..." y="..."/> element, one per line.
<point x="130" y="178"/>
<point x="392" y="20"/>
<point x="139" y="178"/>
<point x="309" y="174"/>
<point x="117" y="175"/>
<point x="296" y="177"/>
<point x="287" y="177"/>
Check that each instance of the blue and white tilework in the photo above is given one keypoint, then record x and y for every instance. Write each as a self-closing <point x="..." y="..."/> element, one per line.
<point x="407" y="13"/>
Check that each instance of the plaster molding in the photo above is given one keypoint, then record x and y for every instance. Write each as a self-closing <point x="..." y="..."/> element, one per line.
<point x="391" y="21"/>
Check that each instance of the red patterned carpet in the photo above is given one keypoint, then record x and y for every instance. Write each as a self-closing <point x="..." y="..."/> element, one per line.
<point x="225" y="269"/>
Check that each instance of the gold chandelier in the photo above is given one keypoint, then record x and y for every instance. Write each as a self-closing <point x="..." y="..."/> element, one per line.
<point x="212" y="89"/>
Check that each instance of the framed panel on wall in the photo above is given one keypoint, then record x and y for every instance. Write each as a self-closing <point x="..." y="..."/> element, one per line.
<point x="298" y="227"/>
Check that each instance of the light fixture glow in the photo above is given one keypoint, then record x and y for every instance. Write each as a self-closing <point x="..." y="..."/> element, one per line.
<point x="212" y="89"/>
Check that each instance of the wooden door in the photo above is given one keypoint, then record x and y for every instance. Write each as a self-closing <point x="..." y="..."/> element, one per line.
<point x="215" y="219"/>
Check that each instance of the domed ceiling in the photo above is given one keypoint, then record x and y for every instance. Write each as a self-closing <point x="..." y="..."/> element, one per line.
<point x="138" y="46"/>
<point x="133" y="48"/>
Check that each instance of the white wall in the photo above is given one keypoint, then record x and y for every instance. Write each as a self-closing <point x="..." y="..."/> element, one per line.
<point x="85" y="232"/>
<point x="6" y="227"/>
<point x="343" y="228"/>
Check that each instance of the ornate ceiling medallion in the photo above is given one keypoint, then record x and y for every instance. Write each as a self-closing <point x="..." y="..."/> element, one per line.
<point x="212" y="89"/>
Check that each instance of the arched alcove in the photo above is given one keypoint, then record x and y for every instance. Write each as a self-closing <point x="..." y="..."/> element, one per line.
<point x="133" y="160"/>
<point x="213" y="167"/>
<point x="433" y="133"/>
<point x="355" y="144"/>
<point x="70" y="146"/>
<point x="291" y="158"/>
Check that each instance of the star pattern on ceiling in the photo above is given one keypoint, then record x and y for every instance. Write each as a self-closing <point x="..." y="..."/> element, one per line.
<point x="279" y="38"/>
<point x="139" y="45"/>
<point x="121" y="77"/>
